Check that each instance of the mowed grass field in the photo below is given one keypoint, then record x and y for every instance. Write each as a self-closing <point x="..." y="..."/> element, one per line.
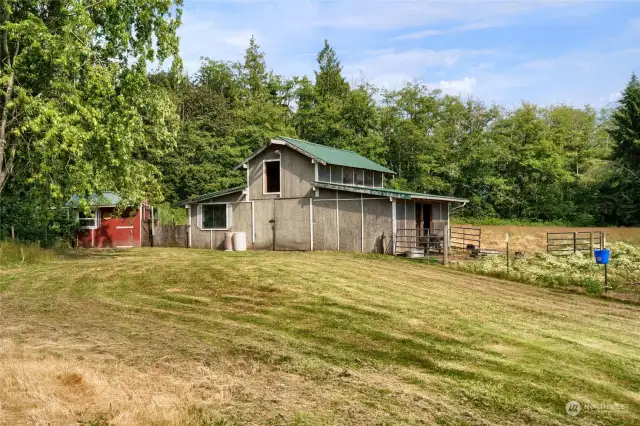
<point x="174" y="336"/>
<point x="534" y="238"/>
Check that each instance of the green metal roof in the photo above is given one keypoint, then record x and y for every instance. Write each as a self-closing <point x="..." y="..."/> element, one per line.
<point x="387" y="192"/>
<point x="213" y="195"/>
<point x="335" y="156"/>
<point x="106" y="198"/>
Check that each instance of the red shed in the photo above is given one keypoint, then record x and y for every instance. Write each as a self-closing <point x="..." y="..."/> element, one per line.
<point x="106" y="226"/>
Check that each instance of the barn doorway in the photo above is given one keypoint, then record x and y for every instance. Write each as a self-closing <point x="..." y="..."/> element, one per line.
<point x="423" y="218"/>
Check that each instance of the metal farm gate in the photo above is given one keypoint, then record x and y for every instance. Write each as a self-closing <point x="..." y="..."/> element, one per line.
<point x="565" y="243"/>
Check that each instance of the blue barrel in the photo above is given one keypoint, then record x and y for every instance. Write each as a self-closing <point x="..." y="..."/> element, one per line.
<point x="602" y="256"/>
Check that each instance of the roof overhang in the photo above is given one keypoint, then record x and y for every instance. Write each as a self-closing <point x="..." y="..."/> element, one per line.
<point x="278" y="142"/>
<point x="212" y="195"/>
<point x="391" y="193"/>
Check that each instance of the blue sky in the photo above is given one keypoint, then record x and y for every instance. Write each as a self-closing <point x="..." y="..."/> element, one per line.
<point x="545" y="51"/>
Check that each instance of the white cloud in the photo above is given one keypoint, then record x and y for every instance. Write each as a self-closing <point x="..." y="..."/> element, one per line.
<point x="473" y="26"/>
<point x="394" y="68"/>
<point x="455" y="87"/>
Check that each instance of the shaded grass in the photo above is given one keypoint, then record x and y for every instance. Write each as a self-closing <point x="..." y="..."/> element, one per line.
<point x="316" y="338"/>
<point x="20" y="253"/>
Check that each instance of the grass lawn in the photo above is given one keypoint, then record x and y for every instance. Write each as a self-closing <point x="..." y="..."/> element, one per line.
<point x="174" y="336"/>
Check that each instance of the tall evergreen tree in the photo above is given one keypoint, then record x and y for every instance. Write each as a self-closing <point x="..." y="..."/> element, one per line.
<point x="329" y="79"/>
<point x="625" y="131"/>
<point x="254" y="71"/>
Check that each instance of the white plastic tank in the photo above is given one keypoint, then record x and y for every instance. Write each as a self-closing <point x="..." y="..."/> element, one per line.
<point x="240" y="241"/>
<point x="228" y="246"/>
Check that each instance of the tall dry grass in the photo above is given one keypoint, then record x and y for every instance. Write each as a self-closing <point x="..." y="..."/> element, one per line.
<point x="12" y="253"/>
<point x="534" y="238"/>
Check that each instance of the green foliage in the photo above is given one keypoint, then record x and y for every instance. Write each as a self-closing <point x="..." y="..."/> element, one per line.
<point x="78" y="114"/>
<point x="169" y="215"/>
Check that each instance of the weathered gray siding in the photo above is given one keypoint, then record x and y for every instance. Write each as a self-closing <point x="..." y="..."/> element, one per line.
<point x="350" y="220"/>
<point x="292" y="226"/>
<point x="263" y="211"/>
<point x="206" y="239"/>
<point x="297" y="172"/>
<point x="325" y="236"/>
<point x="378" y="226"/>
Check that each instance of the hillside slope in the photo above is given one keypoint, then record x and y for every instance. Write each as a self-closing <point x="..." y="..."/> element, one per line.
<point x="171" y="336"/>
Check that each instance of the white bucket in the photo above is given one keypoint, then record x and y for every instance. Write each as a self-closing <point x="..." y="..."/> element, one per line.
<point x="228" y="245"/>
<point x="240" y="241"/>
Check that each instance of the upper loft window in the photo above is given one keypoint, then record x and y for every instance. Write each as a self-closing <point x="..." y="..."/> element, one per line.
<point x="271" y="174"/>
<point x="324" y="173"/>
<point x="347" y="176"/>
<point x="350" y="176"/>
<point x="377" y="180"/>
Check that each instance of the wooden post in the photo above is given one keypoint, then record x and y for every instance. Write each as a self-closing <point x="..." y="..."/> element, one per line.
<point x="13" y="234"/>
<point x="604" y="240"/>
<point x="507" y="239"/>
<point x="591" y="244"/>
<point x="151" y="230"/>
<point x="445" y="259"/>
<point x="575" y="237"/>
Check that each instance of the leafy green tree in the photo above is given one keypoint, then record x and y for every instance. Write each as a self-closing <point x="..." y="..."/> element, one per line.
<point x="77" y="114"/>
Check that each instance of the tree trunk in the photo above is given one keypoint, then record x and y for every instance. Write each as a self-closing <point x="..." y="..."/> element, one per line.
<point x="6" y="158"/>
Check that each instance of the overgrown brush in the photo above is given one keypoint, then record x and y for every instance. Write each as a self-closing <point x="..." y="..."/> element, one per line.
<point x="564" y="271"/>
<point x="27" y="253"/>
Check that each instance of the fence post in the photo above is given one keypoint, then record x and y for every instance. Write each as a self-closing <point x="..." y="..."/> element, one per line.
<point x="13" y="234"/>
<point x="507" y="240"/>
<point x="445" y="248"/>
<point x="575" y="241"/>
<point x="591" y="244"/>
<point x="604" y="240"/>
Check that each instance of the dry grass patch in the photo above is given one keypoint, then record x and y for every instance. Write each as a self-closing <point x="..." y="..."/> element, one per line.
<point x="534" y="238"/>
<point x="170" y="336"/>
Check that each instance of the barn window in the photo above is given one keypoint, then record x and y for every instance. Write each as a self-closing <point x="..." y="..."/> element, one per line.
<point x="359" y="177"/>
<point x="347" y="175"/>
<point x="324" y="173"/>
<point x="271" y="169"/>
<point x="336" y="174"/>
<point x="88" y="220"/>
<point x="215" y="216"/>
<point x="368" y="178"/>
<point x="377" y="180"/>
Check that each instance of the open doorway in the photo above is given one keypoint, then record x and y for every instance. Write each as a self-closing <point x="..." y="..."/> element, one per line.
<point x="423" y="218"/>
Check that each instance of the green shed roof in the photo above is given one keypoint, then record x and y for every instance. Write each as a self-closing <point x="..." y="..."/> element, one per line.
<point x="106" y="198"/>
<point x="387" y="192"/>
<point x="213" y="195"/>
<point x="335" y="156"/>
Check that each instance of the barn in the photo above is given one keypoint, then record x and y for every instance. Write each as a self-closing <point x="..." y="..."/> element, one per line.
<point x="300" y="195"/>
<point x="107" y="224"/>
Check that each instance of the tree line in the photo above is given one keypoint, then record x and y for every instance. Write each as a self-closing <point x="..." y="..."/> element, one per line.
<point x="542" y="163"/>
<point x="81" y="113"/>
